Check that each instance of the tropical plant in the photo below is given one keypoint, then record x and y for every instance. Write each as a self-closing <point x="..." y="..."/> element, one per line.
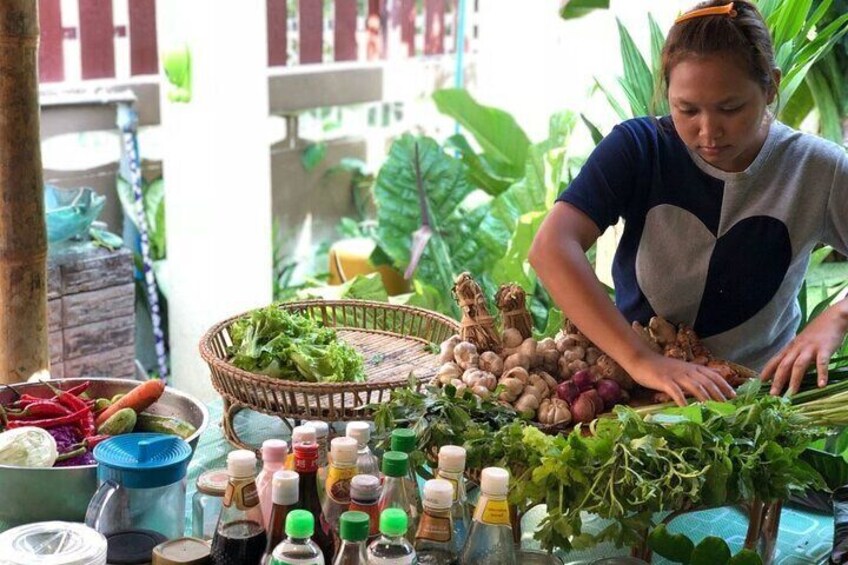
<point x="442" y="210"/>
<point x="804" y="39"/>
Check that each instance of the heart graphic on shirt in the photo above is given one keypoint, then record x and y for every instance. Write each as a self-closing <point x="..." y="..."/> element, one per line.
<point x="715" y="284"/>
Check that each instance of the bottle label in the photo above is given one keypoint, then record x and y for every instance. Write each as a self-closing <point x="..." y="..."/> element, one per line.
<point x="241" y="493"/>
<point x="434" y="529"/>
<point x="306" y="465"/>
<point x="494" y="513"/>
<point x="454" y="483"/>
<point x="337" y="486"/>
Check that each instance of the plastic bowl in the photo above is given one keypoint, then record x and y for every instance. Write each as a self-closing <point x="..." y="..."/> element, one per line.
<point x="70" y="212"/>
<point x="62" y="493"/>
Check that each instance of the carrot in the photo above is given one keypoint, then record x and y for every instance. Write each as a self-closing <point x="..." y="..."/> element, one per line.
<point x="139" y="399"/>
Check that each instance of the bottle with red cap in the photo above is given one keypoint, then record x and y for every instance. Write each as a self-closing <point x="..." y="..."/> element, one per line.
<point x="306" y="466"/>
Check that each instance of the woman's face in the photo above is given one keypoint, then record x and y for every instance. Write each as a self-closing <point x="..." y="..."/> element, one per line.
<point x="718" y="110"/>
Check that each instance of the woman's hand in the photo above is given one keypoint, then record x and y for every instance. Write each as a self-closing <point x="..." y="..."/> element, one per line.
<point x="814" y="345"/>
<point x="675" y="378"/>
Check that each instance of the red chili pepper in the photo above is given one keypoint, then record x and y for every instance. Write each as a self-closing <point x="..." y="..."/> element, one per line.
<point x="92" y="441"/>
<point x="52" y="422"/>
<point x="41" y="409"/>
<point x="79" y="389"/>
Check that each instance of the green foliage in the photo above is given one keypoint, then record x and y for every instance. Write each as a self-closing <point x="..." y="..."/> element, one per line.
<point x="292" y="346"/>
<point x="805" y="34"/>
<point x="503" y="141"/>
<point x="579" y="8"/>
<point x="153" y="198"/>
<point x="628" y="468"/>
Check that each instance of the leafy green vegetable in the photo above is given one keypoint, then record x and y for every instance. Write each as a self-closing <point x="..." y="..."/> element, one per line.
<point x="273" y="342"/>
<point x="710" y="551"/>
<point x="627" y="468"/>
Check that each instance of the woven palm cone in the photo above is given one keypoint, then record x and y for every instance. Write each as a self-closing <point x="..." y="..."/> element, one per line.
<point x="477" y="325"/>
<point x="512" y="302"/>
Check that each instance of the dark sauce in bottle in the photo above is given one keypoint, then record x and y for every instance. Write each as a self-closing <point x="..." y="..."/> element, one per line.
<point x="239" y="543"/>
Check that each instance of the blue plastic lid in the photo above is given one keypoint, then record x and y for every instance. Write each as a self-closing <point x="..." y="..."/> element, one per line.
<point x="142" y="460"/>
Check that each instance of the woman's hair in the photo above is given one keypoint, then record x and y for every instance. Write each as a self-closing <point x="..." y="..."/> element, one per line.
<point x="742" y="34"/>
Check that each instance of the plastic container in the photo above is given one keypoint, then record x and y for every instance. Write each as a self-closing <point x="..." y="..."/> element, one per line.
<point x="207" y="502"/>
<point x="52" y="543"/>
<point x="182" y="551"/>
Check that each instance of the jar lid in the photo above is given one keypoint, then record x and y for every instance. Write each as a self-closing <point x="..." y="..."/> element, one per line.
<point x="142" y="460"/>
<point x="52" y="543"/>
<point x="182" y="551"/>
<point x="132" y="547"/>
<point x="213" y="482"/>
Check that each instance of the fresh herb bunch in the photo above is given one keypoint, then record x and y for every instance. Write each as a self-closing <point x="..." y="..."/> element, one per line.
<point x="440" y="417"/>
<point x="625" y="468"/>
<point x="294" y="346"/>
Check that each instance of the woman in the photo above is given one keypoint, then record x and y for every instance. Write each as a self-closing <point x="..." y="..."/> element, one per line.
<point x="722" y="205"/>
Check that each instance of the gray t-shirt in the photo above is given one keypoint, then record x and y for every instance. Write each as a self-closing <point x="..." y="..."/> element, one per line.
<point x="723" y="252"/>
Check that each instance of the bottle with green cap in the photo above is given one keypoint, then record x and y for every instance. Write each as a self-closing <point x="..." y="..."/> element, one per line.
<point x="396" y="490"/>
<point x="392" y="547"/>
<point x="298" y="547"/>
<point x="405" y="441"/>
<point x="353" y="528"/>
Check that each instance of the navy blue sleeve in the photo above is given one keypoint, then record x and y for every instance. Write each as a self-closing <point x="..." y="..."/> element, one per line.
<point x="608" y="179"/>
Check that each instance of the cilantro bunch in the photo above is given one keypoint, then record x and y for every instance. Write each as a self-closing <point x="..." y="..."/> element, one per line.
<point x="292" y="346"/>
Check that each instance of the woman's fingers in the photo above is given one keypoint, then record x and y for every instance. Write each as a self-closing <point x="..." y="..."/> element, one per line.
<point x="675" y="393"/>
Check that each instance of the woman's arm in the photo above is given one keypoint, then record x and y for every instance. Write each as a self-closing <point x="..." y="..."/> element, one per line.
<point x="814" y="345"/>
<point x="558" y="255"/>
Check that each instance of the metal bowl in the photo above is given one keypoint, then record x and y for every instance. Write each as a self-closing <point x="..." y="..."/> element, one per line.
<point x="62" y="493"/>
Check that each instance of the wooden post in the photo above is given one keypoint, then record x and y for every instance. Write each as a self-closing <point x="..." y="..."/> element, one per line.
<point x="23" y="234"/>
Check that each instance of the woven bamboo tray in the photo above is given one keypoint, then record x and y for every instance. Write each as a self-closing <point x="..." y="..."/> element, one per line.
<point x="392" y="339"/>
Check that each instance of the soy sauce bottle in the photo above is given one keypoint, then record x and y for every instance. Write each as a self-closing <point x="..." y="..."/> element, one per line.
<point x="240" y="537"/>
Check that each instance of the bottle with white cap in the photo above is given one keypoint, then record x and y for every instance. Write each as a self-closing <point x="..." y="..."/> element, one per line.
<point x="284" y="493"/>
<point x="434" y="538"/>
<point x="452" y="469"/>
<point x="240" y="535"/>
<point x="366" y="462"/>
<point x="274" y="453"/>
<point x="343" y="452"/>
<point x="490" y="540"/>
<point x="300" y="434"/>
<point x="322" y="435"/>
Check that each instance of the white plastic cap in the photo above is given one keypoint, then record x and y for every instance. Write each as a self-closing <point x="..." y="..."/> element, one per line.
<point x="452" y="458"/>
<point x="344" y="450"/>
<point x="274" y="450"/>
<point x="303" y="434"/>
<point x="241" y="463"/>
<point x="438" y="494"/>
<point x="360" y="431"/>
<point x="494" y="481"/>
<point x="285" y="488"/>
<point x="322" y="430"/>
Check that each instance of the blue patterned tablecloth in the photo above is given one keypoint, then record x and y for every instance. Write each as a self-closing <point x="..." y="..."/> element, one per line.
<point x="805" y="537"/>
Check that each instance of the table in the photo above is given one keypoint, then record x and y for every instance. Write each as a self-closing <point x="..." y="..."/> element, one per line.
<point x="805" y="536"/>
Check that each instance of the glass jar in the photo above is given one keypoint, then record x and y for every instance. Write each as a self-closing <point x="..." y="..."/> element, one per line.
<point x="207" y="502"/>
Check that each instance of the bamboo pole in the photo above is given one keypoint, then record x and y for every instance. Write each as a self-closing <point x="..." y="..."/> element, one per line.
<point x="23" y="237"/>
